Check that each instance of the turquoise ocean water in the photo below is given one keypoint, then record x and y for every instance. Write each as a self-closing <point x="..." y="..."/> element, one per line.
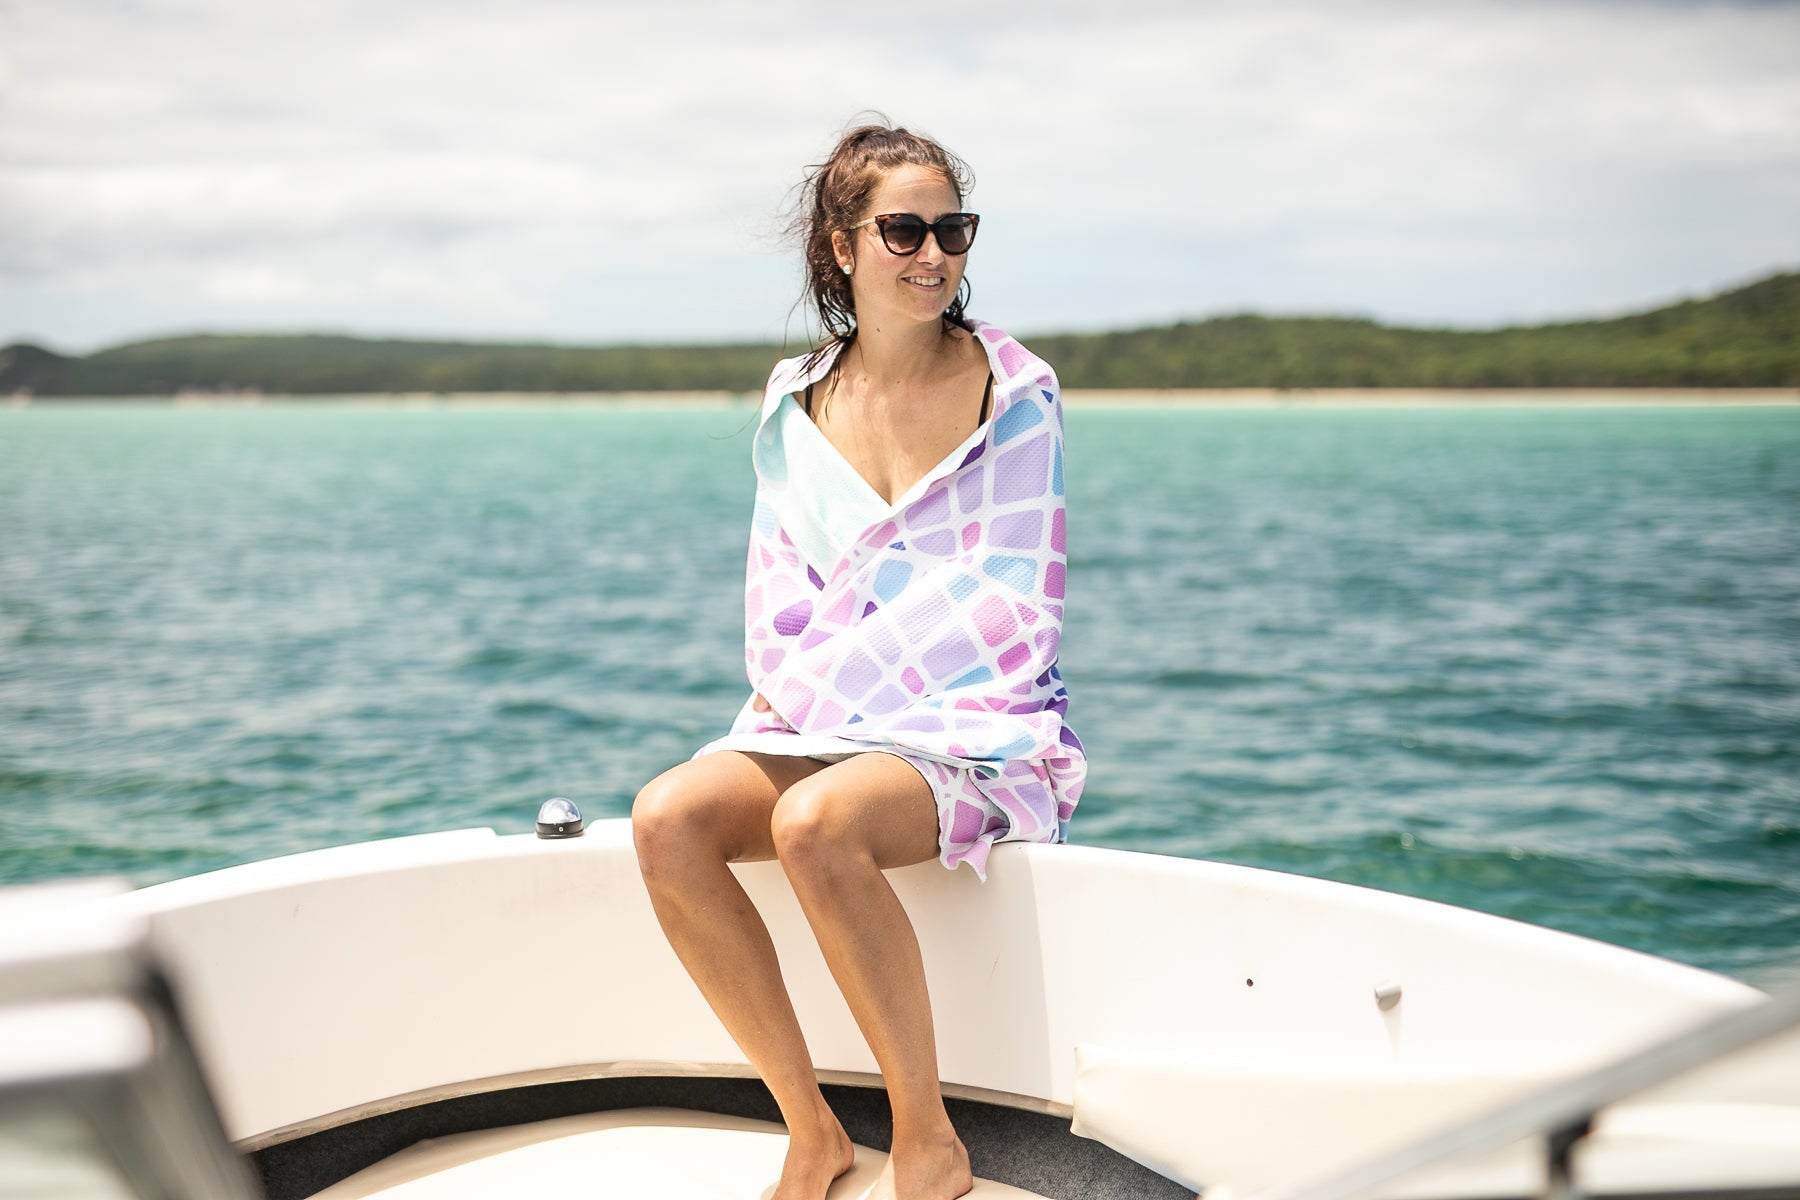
<point x="1540" y="661"/>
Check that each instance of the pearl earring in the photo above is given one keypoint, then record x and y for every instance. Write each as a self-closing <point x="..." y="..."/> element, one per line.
<point x="846" y="270"/>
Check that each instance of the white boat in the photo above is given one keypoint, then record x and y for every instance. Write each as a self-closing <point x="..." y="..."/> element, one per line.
<point x="463" y="1014"/>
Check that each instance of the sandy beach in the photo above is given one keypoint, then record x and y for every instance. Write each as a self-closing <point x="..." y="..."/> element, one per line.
<point x="1421" y="397"/>
<point x="1073" y="397"/>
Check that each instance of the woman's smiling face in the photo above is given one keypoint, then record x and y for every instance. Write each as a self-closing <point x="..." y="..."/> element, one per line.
<point x="891" y="287"/>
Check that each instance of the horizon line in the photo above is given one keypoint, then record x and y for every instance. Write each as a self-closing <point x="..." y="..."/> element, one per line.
<point x="1713" y="293"/>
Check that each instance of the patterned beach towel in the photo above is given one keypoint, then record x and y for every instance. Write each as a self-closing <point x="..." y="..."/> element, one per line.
<point x="929" y="626"/>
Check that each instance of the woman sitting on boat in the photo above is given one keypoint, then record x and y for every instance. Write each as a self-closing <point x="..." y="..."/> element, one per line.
<point x="904" y="603"/>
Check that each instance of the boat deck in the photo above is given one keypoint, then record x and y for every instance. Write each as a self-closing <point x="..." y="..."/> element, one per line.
<point x="669" y="1153"/>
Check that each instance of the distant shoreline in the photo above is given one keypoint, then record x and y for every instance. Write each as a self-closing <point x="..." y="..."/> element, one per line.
<point x="1426" y="397"/>
<point x="1741" y="339"/>
<point x="1074" y="398"/>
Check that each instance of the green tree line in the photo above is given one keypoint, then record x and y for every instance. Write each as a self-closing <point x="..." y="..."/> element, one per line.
<point x="1749" y="337"/>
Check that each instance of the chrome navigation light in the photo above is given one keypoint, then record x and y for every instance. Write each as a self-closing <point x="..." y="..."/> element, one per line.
<point x="559" y="818"/>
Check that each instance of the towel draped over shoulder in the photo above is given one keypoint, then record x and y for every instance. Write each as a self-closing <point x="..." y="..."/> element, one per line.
<point x="927" y="627"/>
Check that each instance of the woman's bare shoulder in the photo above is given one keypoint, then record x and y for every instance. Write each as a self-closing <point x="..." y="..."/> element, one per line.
<point x="971" y="353"/>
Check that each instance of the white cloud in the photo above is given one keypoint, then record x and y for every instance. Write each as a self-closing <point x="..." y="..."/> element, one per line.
<point x="592" y="172"/>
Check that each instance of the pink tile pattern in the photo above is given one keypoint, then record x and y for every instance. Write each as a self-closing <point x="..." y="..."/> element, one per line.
<point x="935" y="635"/>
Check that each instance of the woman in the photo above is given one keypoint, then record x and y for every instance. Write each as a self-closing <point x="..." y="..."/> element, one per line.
<point x="904" y="603"/>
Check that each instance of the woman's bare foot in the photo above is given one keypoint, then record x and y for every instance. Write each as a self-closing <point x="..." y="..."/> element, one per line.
<point x="815" y="1157"/>
<point x="934" y="1169"/>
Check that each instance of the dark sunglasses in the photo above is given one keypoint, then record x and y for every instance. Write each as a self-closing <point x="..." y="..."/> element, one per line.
<point x="904" y="233"/>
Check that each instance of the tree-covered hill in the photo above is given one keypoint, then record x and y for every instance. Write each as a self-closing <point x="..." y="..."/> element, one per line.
<point x="1749" y="337"/>
<point x="1746" y="338"/>
<point x="317" y="364"/>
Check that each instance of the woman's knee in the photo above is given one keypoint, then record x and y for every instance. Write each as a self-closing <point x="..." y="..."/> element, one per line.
<point x="701" y="809"/>
<point x="872" y="809"/>
<point x="810" y="829"/>
<point x="669" y="818"/>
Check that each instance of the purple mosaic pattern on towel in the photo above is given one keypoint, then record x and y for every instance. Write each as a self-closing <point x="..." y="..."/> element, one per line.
<point x="935" y="635"/>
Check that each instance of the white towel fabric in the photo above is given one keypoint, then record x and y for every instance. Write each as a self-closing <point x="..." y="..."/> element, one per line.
<point x="927" y="628"/>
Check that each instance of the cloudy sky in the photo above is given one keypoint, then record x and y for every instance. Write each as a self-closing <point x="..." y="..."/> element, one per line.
<point x="596" y="171"/>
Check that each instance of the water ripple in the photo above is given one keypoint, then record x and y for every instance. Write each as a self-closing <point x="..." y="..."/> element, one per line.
<point x="1540" y="662"/>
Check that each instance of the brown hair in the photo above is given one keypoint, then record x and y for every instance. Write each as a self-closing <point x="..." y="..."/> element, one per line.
<point x="832" y="197"/>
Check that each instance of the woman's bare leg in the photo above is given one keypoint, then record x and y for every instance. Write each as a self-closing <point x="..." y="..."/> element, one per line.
<point x="834" y="832"/>
<point x="688" y="824"/>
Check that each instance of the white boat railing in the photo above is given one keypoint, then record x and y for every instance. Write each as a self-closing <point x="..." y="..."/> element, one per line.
<point x="101" y="1095"/>
<point x="1758" y="1046"/>
<point x="101" y="1092"/>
